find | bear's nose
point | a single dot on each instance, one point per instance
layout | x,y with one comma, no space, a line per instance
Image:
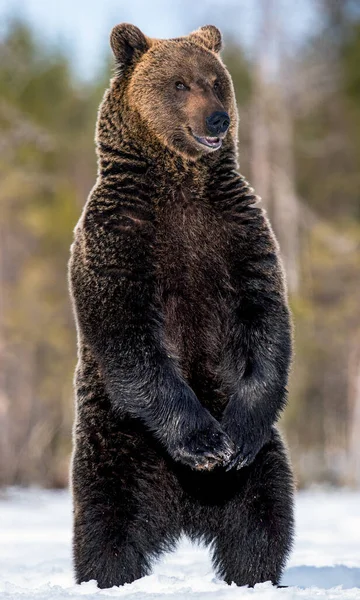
218,122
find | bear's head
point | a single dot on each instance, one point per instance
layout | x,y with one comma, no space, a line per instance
179,88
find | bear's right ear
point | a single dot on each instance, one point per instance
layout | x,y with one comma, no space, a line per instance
208,36
128,44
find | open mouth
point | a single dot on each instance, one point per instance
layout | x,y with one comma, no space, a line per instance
210,142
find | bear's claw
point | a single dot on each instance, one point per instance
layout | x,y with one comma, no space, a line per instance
204,450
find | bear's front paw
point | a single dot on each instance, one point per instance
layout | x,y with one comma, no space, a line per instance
247,444
204,448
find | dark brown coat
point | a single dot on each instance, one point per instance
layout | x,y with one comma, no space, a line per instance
183,326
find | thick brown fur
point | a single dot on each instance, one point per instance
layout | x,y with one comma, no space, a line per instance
183,327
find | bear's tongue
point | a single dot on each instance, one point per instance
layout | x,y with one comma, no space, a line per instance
211,142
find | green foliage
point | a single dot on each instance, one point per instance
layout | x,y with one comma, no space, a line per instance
47,167
323,399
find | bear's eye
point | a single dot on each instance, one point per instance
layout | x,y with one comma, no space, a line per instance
216,86
181,86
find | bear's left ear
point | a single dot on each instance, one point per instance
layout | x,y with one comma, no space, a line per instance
208,36
128,44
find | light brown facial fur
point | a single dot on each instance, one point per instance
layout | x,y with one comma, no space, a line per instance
175,86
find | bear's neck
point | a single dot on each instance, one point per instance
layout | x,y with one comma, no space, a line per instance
126,145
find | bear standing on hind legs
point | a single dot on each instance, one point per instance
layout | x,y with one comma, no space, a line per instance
183,328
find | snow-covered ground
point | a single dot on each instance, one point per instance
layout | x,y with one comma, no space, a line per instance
35,555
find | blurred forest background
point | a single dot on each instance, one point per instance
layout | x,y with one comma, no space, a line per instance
299,147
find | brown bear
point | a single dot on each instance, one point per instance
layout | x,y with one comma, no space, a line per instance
184,333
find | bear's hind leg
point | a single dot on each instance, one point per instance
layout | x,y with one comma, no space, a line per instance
124,517
105,549
254,530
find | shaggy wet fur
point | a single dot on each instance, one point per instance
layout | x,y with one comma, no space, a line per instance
184,332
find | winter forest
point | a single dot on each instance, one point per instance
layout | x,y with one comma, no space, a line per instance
299,106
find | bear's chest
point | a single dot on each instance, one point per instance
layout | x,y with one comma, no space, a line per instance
193,280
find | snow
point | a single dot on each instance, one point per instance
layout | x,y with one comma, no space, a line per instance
35,555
